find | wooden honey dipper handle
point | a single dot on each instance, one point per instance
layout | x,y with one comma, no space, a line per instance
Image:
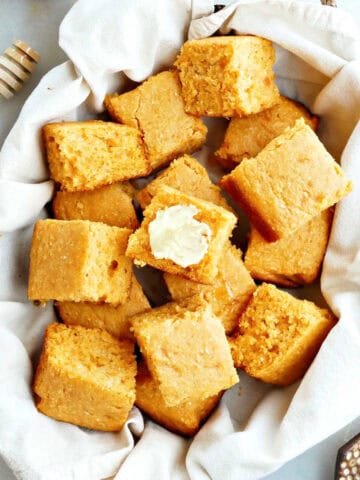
16,65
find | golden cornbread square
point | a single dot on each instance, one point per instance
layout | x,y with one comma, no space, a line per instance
156,107
218,220
110,204
227,76
79,260
184,418
230,293
114,320
85,377
185,349
293,260
90,154
288,183
245,137
187,175
279,335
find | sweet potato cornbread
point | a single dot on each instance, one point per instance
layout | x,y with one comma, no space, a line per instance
111,204
220,222
290,181
78,260
293,260
86,377
87,155
186,351
246,136
279,335
227,76
156,108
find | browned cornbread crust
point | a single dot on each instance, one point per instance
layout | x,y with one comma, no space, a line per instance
90,154
245,137
185,349
85,377
279,336
220,221
157,109
187,175
230,293
78,260
227,76
110,204
114,320
293,260
184,418
291,181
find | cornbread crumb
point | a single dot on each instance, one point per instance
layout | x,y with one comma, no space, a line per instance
230,293
78,260
184,418
227,76
291,181
279,336
157,109
220,221
114,320
185,349
245,137
293,260
90,154
110,204
188,176
85,377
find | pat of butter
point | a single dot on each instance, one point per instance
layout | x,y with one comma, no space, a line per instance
176,235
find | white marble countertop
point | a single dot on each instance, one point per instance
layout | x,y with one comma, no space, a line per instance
37,22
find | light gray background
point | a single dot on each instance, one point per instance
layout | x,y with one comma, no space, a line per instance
37,22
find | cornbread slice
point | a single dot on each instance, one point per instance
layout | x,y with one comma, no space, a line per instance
220,221
184,418
227,76
186,351
86,155
245,137
78,261
293,260
86,377
114,320
187,175
291,181
279,336
110,204
230,293
157,109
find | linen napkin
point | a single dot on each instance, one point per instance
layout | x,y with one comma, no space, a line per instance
251,434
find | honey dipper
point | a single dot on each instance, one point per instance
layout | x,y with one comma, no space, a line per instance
16,65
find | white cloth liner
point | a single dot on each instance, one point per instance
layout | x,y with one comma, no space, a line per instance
250,435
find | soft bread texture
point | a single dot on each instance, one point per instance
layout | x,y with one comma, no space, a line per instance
227,76
245,137
90,154
78,260
220,221
184,418
156,108
185,349
230,293
291,181
111,204
187,175
114,320
279,336
85,377
293,260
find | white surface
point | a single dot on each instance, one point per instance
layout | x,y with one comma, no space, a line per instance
317,463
